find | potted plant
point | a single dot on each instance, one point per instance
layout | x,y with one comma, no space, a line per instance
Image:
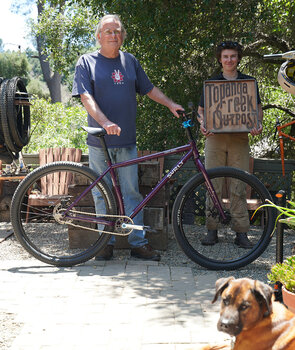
285,272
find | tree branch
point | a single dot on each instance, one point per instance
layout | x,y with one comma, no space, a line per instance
287,110
266,40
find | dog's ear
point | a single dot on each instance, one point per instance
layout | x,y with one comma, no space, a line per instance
263,294
220,286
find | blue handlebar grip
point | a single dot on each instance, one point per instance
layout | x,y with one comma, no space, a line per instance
187,123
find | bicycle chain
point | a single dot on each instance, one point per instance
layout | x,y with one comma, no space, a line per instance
121,219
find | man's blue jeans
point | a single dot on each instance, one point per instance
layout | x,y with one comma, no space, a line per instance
128,180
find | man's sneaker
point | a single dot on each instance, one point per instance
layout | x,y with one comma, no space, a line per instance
145,252
243,241
106,253
211,238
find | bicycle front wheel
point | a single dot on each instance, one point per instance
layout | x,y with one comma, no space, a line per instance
240,194
37,211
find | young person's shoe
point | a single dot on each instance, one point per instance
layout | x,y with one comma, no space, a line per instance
145,252
211,238
106,253
243,241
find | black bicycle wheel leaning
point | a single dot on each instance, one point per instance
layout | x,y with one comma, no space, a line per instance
9,141
192,208
18,115
2,108
36,214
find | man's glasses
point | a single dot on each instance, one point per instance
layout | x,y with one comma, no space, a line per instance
112,32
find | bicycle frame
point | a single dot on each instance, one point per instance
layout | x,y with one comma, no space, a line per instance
281,136
191,152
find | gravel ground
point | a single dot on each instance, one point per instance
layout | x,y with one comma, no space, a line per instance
10,249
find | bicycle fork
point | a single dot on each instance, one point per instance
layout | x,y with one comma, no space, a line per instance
224,218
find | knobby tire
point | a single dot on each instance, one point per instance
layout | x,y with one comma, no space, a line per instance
189,216
37,228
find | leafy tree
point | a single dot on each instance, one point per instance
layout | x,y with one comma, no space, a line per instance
1,46
175,42
33,58
38,88
67,32
14,64
52,78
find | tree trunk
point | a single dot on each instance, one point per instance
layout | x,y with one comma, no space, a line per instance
52,79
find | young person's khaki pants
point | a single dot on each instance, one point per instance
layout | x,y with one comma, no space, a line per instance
228,150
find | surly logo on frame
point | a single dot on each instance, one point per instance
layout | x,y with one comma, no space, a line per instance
117,77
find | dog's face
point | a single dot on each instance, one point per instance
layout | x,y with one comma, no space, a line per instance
244,302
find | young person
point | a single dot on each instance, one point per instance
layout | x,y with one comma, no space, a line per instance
229,149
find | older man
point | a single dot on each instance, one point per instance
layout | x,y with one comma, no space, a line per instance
107,81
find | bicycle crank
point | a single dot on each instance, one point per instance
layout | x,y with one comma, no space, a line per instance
137,227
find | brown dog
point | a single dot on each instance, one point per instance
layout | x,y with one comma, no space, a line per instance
249,313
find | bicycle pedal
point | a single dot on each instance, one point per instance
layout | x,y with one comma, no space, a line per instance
132,226
137,227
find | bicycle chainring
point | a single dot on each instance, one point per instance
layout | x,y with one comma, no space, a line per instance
118,226
58,214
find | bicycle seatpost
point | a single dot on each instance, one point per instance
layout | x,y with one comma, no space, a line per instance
105,149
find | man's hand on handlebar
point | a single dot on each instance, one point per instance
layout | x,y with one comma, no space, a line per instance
174,108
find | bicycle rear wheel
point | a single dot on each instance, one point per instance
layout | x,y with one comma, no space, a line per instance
36,214
190,213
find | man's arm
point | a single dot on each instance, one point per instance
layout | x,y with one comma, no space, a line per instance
93,109
157,95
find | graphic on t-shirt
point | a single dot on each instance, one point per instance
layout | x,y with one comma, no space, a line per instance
117,77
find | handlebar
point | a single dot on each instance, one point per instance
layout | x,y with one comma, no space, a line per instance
188,117
290,55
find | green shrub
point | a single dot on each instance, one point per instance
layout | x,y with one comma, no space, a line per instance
284,273
55,125
38,88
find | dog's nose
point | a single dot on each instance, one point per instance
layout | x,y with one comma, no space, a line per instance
228,326
225,324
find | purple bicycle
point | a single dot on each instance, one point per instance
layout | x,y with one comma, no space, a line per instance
44,231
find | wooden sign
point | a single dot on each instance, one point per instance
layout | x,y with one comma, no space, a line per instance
230,105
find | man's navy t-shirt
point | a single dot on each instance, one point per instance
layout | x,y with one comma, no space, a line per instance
113,82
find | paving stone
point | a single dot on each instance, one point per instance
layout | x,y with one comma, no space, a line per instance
109,305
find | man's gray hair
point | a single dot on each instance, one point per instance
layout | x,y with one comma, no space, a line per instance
116,18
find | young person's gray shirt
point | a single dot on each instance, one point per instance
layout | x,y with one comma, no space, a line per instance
113,82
